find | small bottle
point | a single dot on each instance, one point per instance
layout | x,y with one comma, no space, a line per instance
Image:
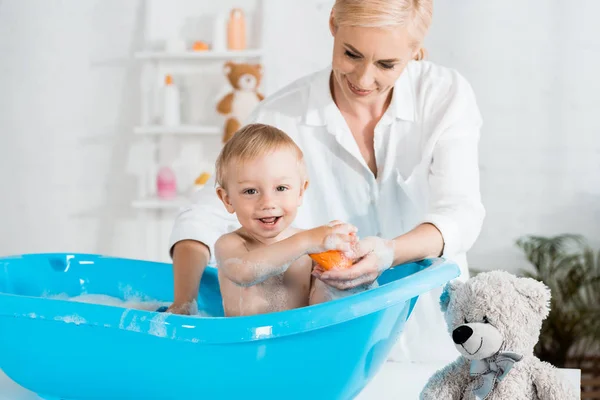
172,104
166,185
200,181
236,30
219,39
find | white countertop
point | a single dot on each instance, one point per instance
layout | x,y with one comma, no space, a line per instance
394,381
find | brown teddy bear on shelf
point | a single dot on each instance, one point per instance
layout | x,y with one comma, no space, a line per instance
237,105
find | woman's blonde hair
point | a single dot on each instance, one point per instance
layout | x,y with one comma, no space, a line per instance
250,142
415,15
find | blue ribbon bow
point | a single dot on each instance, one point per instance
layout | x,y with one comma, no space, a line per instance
490,370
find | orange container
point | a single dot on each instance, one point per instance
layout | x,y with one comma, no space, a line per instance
236,30
199,45
332,259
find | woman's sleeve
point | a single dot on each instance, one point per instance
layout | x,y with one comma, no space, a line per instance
455,206
204,220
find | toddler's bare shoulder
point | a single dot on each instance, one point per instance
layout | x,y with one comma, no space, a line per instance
232,241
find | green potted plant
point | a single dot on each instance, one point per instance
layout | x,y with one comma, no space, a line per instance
571,269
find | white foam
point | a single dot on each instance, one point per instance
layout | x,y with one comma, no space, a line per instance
134,303
192,307
341,237
158,326
133,326
257,270
262,332
71,319
122,321
335,242
382,249
131,295
129,304
333,293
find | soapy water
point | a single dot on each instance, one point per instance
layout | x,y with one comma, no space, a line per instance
373,246
71,319
332,293
158,326
338,239
336,242
134,303
384,251
131,303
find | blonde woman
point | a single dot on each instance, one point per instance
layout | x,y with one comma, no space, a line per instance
391,145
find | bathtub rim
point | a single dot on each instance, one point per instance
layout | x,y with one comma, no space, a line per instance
226,330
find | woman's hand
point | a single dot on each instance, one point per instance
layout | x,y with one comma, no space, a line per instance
374,255
336,235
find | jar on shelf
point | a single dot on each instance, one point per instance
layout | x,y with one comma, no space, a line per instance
236,30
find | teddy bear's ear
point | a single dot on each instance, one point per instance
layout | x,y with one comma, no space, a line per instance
537,294
448,291
228,67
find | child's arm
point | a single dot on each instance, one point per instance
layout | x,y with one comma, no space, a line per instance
319,292
248,268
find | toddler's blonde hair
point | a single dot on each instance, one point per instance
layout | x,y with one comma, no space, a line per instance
415,15
250,142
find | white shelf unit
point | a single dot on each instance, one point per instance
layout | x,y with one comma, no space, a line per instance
156,203
201,127
187,130
199,55
182,61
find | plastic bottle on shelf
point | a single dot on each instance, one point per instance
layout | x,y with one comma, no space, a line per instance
219,38
171,103
236,30
166,183
166,178
200,181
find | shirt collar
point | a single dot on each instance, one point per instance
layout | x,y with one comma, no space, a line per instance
321,107
403,99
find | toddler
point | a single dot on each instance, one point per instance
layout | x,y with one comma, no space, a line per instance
264,266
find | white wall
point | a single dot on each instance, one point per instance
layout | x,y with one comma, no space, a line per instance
534,67
69,101
67,104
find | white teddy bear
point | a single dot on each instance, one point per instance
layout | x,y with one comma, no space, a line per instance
495,320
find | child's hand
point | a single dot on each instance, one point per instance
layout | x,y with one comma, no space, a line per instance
336,235
181,309
374,255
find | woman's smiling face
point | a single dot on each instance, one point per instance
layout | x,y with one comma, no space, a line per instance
368,61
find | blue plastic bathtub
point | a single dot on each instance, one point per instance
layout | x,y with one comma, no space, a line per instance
62,349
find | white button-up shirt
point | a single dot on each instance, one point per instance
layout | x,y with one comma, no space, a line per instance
426,148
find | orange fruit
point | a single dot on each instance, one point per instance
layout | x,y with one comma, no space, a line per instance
332,259
200,46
